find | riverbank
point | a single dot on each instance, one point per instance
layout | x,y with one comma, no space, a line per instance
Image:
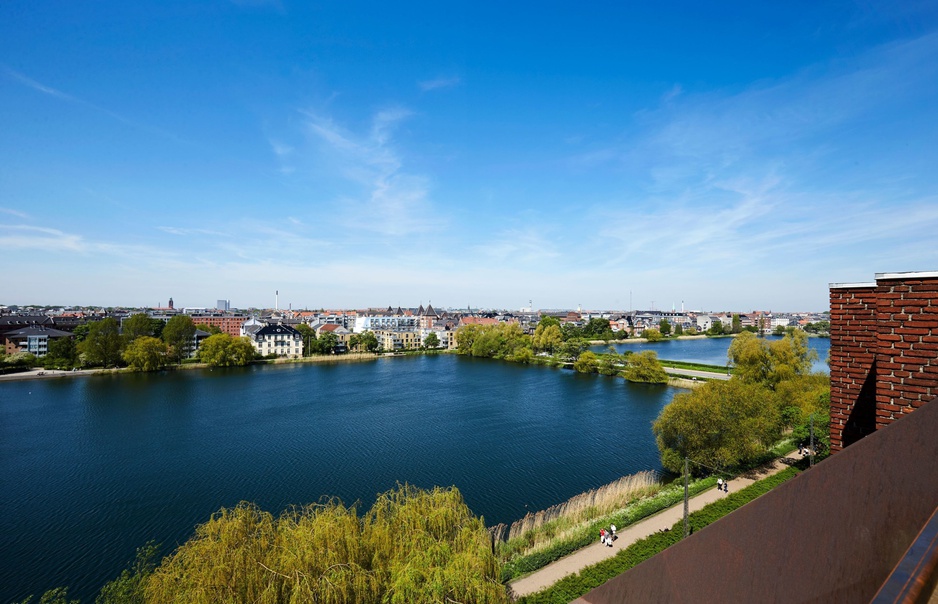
42,374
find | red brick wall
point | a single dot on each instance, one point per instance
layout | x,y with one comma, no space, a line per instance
907,346
884,352
853,355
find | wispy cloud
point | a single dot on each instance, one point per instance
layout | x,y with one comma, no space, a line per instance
54,92
394,202
22,237
439,83
16,213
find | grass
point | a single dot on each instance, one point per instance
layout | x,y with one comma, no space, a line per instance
534,548
694,366
574,586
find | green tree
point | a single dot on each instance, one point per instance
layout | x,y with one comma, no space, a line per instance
62,353
690,331
59,595
138,325
369,341
572,349
596,328
146,353
466,337
645,367
210,329
310,343
716,328
327,342
432,340
737,325
547,337
178,334
769,363
720,425
678,329
222,350
652,335
570,331
664,326
102,346
587,362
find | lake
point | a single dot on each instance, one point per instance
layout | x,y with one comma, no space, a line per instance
92,468
710,351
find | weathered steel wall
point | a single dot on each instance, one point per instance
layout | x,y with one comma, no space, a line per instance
832,534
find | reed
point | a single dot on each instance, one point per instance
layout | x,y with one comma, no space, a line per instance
539,529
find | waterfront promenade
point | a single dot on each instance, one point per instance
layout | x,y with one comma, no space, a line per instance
597,552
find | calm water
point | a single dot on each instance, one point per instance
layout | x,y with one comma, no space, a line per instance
91,468
711,351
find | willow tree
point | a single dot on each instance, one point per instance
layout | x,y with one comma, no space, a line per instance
412,546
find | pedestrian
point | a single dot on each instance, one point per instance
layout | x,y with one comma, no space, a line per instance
726,486
719,484
602,536
613,529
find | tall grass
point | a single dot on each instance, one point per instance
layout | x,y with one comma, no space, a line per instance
589,505
540,529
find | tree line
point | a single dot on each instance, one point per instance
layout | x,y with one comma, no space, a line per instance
550,343
726,424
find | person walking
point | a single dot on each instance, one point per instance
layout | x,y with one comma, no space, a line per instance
602,536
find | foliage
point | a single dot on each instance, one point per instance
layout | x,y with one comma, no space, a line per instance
500,341
59,595
609,364
128,588
327,342
716,328
222,350
652,335
102,345
690,331
517,563
146,353
573,586
587,362
678,329
737,325
645,367
369,341
719,425
309,339
210,329
770,362
178,333
20,359
819,327
412,546
572,349
548,337
432,340
597,329
61,354
664,326
138,325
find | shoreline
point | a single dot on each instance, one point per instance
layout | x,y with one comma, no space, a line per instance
45,374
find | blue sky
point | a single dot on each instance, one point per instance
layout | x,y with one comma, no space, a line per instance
731,155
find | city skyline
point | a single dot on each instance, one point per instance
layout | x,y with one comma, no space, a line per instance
730,157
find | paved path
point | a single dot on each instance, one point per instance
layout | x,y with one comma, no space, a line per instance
598,552
696,373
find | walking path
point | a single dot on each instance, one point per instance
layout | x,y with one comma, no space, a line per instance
597,552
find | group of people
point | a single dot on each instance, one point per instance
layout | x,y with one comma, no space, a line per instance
723,485
607,537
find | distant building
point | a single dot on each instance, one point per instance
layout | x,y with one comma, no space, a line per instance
223,305
277,339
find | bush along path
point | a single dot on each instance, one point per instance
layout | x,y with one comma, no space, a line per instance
597,563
